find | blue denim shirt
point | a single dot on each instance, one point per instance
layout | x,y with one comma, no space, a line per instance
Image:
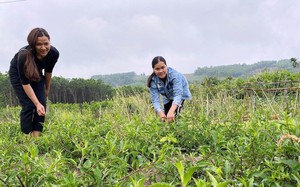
175,88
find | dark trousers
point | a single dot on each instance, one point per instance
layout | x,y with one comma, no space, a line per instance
30,120
169,105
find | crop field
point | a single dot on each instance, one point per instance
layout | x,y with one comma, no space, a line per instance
218,140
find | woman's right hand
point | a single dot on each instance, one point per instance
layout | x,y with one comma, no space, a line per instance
40,109
162,116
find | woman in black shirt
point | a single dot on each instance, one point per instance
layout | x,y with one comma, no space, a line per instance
30,75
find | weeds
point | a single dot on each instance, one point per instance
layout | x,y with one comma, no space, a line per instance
217,140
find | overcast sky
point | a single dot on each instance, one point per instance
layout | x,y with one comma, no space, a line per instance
118,36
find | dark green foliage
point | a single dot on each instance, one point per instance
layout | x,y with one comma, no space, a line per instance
294,62
123,79
7,96
101,87
244,70
132,90
62,91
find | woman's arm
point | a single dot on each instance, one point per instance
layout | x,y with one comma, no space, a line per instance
40,109
177,95
47,83
171,113
156,102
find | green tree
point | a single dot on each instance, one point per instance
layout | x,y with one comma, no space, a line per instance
294,62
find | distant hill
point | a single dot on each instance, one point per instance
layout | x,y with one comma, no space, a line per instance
235,70
123,79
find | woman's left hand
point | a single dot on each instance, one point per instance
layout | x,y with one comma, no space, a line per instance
170,117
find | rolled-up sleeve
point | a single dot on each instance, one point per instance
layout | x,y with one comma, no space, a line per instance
177,89
155,97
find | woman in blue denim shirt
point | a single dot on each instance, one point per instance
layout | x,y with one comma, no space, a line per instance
171,85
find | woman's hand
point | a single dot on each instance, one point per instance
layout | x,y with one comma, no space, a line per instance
40,109
170,116
162,116
171,113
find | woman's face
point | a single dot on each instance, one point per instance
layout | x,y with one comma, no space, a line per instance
42,46
160,70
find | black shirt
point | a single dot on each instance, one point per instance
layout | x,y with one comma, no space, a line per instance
16,70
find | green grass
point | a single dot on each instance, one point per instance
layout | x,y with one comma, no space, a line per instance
216,141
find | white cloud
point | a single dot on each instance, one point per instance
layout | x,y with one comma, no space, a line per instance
116,36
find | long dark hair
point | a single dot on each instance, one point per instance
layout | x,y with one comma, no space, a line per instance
154,62
30,69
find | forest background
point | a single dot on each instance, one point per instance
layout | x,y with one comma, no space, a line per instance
102,87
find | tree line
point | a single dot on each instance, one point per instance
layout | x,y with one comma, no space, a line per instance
62,90
201,73
99,88
246,70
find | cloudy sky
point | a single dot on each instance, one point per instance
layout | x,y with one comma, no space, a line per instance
118,36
